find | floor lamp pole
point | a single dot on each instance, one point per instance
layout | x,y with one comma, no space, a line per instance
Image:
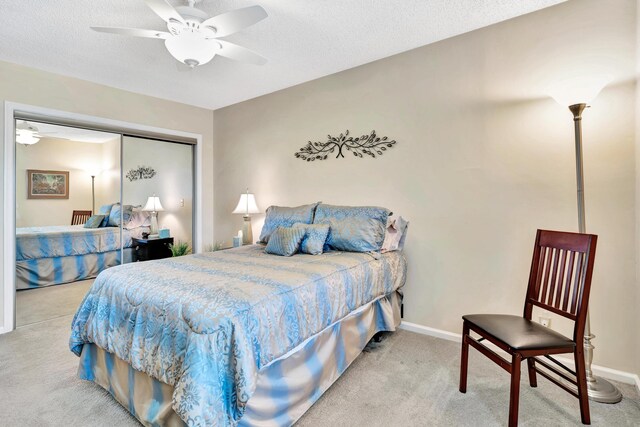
93,195
599,390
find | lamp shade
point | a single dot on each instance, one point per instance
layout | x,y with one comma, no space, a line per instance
578,89
246,205
153,205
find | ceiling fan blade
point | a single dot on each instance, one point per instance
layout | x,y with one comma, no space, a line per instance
164,10
236,20
239,53
135,32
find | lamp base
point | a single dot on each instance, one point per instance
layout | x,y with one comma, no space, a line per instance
154,223
601,390
247,234
598,389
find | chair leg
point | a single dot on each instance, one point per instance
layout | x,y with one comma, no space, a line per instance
533,380
514,399
464,358
581,377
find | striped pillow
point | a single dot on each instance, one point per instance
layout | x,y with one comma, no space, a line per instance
285,241
94,221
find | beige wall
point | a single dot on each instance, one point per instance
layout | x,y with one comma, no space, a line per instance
484,158
60,155
34,87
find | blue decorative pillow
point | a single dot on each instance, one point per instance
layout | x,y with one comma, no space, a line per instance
114,215
285,241
94,221
279,216
105,210
314,238
353,228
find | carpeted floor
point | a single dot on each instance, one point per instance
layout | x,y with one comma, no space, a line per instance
407,380
38,305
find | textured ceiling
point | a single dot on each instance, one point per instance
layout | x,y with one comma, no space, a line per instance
303,40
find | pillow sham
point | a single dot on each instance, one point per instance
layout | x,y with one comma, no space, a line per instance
105,210
94,221
139,218
395,235
315,236
285,241
353,228
114,215
281,216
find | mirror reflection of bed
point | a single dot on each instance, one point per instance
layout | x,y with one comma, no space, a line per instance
70,224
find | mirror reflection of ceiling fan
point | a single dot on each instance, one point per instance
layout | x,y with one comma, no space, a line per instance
28,134
193,37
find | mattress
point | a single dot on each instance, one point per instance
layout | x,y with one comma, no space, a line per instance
207,324
69,240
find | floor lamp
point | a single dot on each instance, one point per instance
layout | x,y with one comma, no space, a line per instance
599,389
93,173
93,194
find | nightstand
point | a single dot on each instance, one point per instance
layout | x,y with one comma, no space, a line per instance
148,249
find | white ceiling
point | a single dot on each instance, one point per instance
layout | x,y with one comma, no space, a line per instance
303,40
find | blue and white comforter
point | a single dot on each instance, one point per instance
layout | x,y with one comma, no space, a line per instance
206,324
69,240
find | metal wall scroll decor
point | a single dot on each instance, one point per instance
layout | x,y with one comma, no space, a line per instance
141,172
370,145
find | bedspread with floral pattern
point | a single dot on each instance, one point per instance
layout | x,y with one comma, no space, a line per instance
206,324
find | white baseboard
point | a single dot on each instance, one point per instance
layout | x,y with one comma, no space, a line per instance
4,330
601,371
425,330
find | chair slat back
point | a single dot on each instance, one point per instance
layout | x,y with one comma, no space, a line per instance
561,270
80,217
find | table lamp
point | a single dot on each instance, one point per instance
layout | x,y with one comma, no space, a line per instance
247,205
154,206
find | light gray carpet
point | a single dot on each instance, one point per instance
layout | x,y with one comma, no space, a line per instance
37,305
408,380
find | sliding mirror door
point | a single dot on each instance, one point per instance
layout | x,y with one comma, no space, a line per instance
63,175
157,194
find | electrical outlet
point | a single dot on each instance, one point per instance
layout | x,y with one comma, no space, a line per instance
544,321
182,203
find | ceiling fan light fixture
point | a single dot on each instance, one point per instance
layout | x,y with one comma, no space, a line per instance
190,48
26,137
26,133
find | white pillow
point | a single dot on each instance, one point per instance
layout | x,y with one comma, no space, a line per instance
395,235
139,218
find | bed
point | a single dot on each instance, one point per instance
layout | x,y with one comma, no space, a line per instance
54,255
233,337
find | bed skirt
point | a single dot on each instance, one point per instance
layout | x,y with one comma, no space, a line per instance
286,388
40,272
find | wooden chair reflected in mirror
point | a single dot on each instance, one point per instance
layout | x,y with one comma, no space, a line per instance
559,282
80,217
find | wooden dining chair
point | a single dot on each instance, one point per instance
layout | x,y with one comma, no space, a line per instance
559,282
80,217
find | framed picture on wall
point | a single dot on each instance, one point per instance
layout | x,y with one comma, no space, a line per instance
47,184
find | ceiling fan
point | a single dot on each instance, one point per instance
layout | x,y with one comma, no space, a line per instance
193,36
29,134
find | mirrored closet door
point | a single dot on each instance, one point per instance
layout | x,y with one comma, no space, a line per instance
90,200
63,177
157,193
